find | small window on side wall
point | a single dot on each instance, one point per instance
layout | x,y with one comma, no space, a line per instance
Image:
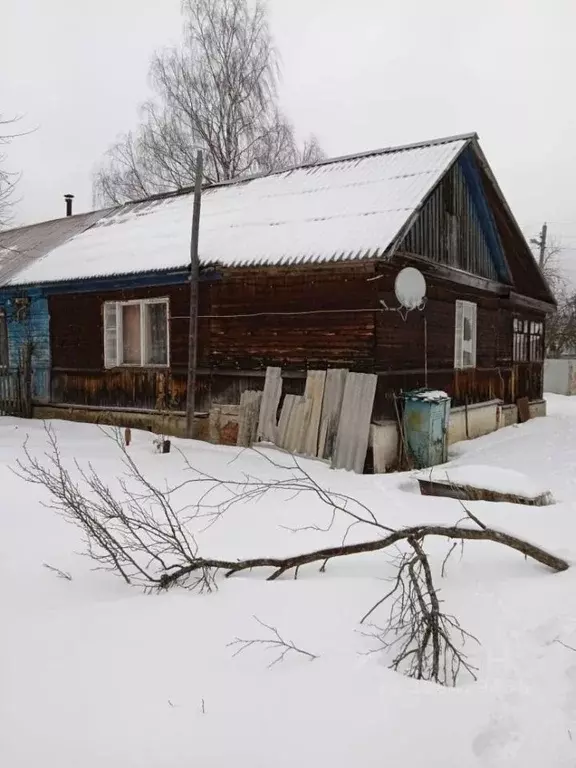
4,354
528,340
136,333
465,335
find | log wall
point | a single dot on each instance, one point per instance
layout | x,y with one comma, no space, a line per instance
299,318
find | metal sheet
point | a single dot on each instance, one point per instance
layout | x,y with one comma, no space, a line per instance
23,246
354,428
314,392
267,427
331,406
248,417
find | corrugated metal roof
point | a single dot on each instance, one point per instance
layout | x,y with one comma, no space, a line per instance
347,208
22,247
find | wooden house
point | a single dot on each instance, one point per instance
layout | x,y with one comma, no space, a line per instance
298,271
24,320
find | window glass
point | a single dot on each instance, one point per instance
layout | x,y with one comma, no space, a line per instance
131,341
157,334
528,340
136,333
465,334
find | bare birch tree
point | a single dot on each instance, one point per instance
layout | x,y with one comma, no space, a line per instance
7,179
218,91
561,325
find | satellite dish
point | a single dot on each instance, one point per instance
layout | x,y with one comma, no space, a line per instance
410,287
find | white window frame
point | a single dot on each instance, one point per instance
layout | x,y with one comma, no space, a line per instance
465,310
117,331
528,340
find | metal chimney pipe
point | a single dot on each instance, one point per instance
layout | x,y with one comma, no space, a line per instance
68,199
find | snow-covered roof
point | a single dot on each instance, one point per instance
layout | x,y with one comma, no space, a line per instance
347,208
23,246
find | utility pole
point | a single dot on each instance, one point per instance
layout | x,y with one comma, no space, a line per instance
540,242
194,280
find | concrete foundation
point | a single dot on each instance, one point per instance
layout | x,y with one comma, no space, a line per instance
159,423
464,424
468,422
220,425
384,442
537,408
223,424
508,416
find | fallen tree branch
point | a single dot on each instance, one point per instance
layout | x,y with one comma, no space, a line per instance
418,630
276,642
283,564
137,530
61,574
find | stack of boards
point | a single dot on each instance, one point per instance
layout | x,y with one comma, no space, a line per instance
331,420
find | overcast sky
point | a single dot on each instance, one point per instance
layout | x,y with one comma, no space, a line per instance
360,74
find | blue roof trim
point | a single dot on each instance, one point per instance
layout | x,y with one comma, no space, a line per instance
114,283
471,175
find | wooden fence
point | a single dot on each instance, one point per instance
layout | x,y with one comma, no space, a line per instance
16,388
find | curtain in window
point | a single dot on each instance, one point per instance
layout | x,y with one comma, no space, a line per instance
131,334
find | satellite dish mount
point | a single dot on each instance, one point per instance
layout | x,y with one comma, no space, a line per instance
410,291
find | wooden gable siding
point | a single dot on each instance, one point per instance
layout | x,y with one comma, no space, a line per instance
448,229
526,276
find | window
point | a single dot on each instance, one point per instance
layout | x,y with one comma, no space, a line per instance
136,332
536,341
528,340
465,335
4,360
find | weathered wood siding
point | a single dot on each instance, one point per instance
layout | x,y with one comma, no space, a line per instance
78,374
293,317
28,323
402,359
449,228
250,319
299,318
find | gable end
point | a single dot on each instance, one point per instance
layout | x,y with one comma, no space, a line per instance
456,227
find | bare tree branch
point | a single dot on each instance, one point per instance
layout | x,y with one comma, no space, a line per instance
8,179
561,325
138,532
58,572
282,565
418,631
218,91
275,642
146,539
561,642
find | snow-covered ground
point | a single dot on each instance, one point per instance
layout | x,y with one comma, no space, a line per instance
94,673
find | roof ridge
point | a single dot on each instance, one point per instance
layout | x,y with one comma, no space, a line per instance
111,210
388,150
314,164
